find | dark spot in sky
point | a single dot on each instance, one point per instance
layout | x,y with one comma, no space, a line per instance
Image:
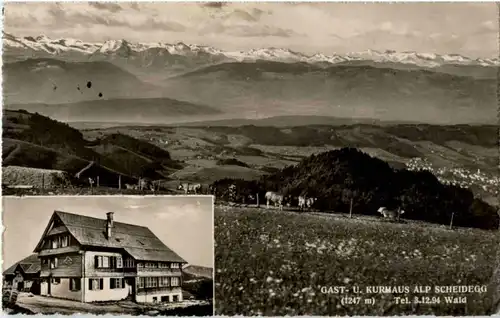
215,5
55,87
89,84
100,94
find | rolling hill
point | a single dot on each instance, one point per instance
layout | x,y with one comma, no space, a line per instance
199,271
267,88
131,110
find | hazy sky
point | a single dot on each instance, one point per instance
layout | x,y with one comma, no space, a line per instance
184,224
465,28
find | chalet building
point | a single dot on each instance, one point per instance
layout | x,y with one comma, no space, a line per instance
24,275
90,259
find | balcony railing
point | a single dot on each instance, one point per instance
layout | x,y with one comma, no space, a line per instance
163,270
145,290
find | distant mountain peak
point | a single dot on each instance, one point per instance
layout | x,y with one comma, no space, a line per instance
124,48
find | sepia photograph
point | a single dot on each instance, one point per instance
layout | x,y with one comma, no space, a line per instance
351,149
108,255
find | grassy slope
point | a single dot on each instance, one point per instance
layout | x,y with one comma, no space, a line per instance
37,141
274,263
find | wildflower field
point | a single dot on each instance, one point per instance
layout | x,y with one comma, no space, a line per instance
275,263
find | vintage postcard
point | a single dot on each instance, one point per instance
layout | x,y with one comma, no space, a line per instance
108,255
351,148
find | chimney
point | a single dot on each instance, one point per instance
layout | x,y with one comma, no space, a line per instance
109,224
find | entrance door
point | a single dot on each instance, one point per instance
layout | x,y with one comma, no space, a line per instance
20,286
130,282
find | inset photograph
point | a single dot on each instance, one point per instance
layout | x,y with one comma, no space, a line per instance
108,255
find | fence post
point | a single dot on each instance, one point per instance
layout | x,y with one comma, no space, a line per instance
43,181
258,204
97,185
451,222
119,182
350,209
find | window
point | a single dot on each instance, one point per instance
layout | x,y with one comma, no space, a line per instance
164,265
74,284
149,281
164,281
56,281
176,298
155,299
53,263
164,299
55,243
96,283
105,261
98,261
116,283
151,265
65,241
119,262
141,265
174,281
174,265
142,282
129,262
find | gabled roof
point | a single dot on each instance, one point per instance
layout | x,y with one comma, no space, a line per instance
136,240
29,265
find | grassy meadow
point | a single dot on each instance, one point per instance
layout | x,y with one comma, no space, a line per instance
274,263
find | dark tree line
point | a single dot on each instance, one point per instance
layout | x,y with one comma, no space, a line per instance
339,176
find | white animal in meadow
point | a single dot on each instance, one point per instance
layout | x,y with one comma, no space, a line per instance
189,188
310,202
276,198
389,213
306,203
302,203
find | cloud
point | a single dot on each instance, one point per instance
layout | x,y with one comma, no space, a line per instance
109,6
316,27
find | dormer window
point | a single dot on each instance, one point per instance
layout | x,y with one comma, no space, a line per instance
60,241
174,265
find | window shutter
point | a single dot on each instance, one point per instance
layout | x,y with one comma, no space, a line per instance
90,284
96,261
71,284
101,284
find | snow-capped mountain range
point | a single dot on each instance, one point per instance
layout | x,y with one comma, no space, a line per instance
45,46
